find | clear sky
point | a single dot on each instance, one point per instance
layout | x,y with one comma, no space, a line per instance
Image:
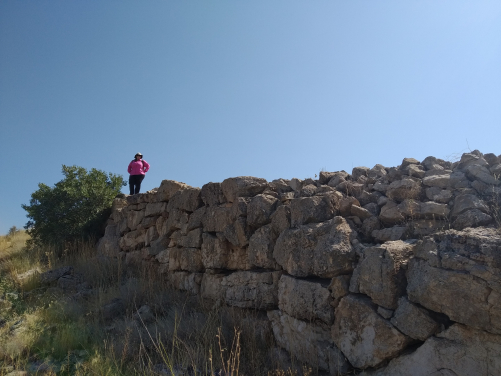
213,89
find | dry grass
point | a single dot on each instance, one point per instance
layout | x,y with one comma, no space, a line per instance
65,333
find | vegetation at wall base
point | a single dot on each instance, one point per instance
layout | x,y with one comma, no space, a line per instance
76,207
56,329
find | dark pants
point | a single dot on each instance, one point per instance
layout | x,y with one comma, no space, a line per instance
135,183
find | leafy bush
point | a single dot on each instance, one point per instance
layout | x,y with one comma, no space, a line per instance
75,208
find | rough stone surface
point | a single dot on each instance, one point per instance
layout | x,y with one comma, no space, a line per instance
406,188
307,342
456,352
305,300
314,209
471,218
363,336
322,249
212,194
380,273
220,254
242,186
458,273
168,188
261,246
260,209
247,289
413,320
185,259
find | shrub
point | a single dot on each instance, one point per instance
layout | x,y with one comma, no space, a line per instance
75,208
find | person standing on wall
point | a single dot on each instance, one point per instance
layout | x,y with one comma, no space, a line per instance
137,170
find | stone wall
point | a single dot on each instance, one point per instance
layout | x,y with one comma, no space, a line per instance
394,271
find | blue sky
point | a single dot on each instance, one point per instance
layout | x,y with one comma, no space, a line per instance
213,89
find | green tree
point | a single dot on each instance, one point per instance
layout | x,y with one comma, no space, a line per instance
75,208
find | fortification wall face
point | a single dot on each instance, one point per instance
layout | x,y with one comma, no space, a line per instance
353,270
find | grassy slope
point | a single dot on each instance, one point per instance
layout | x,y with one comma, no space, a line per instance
44,327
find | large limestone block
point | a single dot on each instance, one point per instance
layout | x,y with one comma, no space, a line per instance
176,220
192,240
305,300
345,205
390,233
242,186
134,218
217,253
405,188
212,287
464,202
471,218
391,214
314,209
185,281
237,233
413,321
187,199
159,245
458,351
481,173
155,209
458,273
319,249
380,273
168,188
441,180
216,218
309,343
363,336
256,290
281,219
132,240
260,209
212,194
261,246
151,236
185,259
195,219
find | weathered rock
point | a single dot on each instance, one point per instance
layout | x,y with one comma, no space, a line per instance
405,188
239,207
432,163
261,246
324,177
322,250
457,273
260,209
464,202
363,336
132,240
491,159
370,225
413,320
381,272
439,195
360,212
471,218
305,300
185,259
212,287
187,199
212,194
345,205
308,190
281,219
314,209
186,281
220,254
439,181
163,256
154,209
195,219
176,220
192,240
216,218
134,218
481,173
150,236
385,313
468,159
307,342
257,290
168,188
359,171
242,186
457,351
237,232
415,171
391,214
390,234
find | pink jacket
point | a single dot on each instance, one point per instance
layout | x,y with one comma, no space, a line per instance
138,167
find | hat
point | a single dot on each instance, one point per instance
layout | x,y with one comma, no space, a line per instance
138,154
